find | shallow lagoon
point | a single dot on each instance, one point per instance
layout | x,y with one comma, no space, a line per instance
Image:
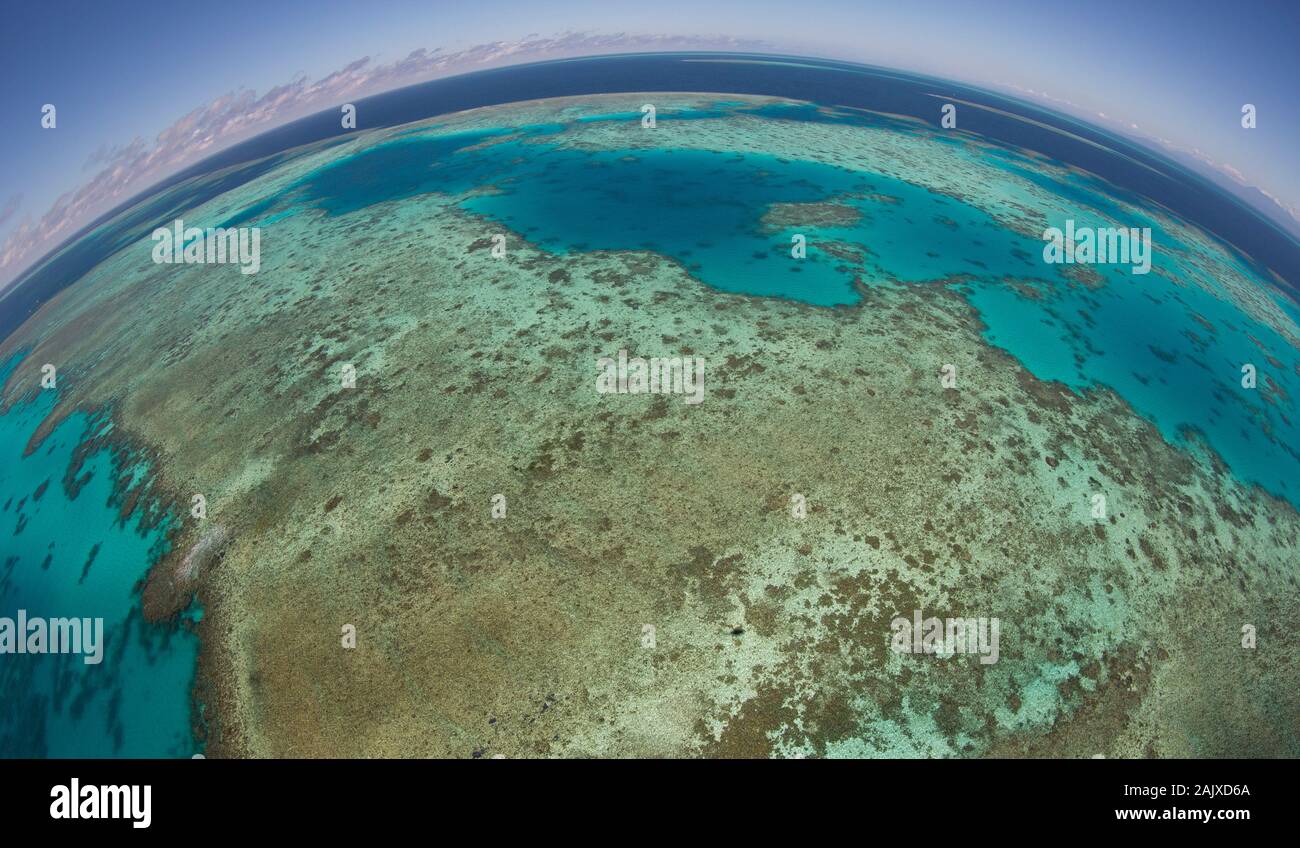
72,557
706,210
1136,335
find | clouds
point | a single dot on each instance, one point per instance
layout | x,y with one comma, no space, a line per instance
1187,155
10,208
122,170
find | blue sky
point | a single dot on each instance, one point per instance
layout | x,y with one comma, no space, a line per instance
128,70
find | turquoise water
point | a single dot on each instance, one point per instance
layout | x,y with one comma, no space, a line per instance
701,208
1136,335
71,556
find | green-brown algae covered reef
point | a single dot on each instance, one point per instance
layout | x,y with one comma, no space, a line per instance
649,590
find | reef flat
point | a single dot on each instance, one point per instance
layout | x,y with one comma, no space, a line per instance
649,589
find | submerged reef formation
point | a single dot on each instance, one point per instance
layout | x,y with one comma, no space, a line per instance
467,550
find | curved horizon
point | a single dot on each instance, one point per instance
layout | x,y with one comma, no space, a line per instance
960,46
323,124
